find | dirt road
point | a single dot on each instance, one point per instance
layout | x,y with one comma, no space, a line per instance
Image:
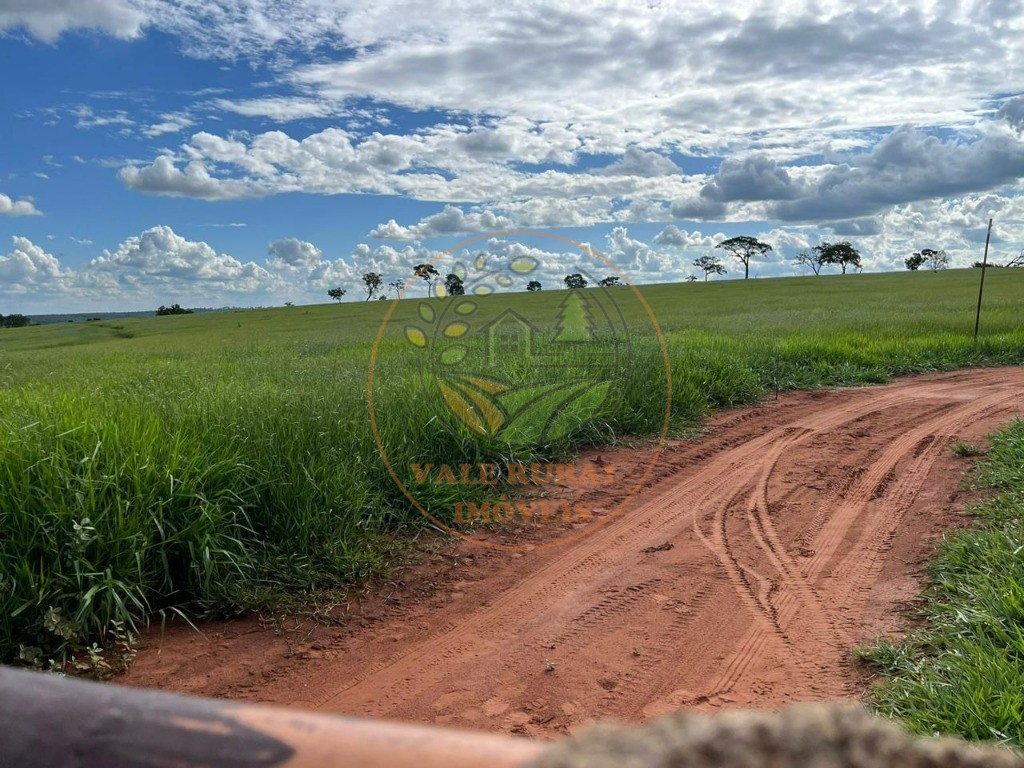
746,572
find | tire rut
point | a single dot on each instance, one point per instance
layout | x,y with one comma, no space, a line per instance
743,575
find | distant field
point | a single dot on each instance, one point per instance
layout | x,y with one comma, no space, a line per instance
81,317
214,461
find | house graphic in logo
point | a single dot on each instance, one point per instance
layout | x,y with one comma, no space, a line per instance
510,336
570,343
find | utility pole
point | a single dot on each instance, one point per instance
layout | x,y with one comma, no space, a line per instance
981,288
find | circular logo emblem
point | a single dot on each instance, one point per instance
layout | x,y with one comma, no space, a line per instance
510,372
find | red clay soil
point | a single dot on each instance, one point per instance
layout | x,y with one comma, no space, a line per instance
744,573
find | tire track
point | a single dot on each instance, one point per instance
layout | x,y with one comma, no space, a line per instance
571,570
780,525
864,557
576,568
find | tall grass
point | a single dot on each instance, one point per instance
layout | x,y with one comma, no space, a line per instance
210,463
963,672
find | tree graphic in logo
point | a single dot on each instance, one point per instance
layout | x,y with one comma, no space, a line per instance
519,376
574,320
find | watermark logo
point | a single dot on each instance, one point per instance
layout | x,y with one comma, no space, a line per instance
521,375
510,371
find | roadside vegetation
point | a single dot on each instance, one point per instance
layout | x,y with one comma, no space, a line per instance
962,672
211,463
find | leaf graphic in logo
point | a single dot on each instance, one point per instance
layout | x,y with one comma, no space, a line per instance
454,355
426,312
490,386
456,329
534,409
415,336
524,265
472,408
491,410
578,410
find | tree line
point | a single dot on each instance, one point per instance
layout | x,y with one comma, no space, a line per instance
375,287
841,254
15,320
744,249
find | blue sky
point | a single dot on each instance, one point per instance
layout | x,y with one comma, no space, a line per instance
247,152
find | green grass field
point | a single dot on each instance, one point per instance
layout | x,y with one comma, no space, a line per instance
214,462
963,672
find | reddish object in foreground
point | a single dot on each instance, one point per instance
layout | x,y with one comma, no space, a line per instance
51,722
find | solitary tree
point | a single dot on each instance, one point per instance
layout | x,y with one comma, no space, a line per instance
841,254
428,274
453,285
709,265
745,248
397,285
809,258
336,293
691,278
533,286
609,282
373,282
935,260
575,281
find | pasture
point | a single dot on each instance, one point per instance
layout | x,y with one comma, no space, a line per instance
212,463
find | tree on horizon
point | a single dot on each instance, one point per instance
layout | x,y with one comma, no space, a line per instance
810,258
373,281
842,254
709,265
174,309
575,281
745,248
454,285
428,274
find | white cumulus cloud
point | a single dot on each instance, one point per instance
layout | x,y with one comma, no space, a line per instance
675,237
450,221
9,207
293,254
160,256
29,268
164,178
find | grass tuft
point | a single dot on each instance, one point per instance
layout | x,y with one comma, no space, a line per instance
966,449
962,673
